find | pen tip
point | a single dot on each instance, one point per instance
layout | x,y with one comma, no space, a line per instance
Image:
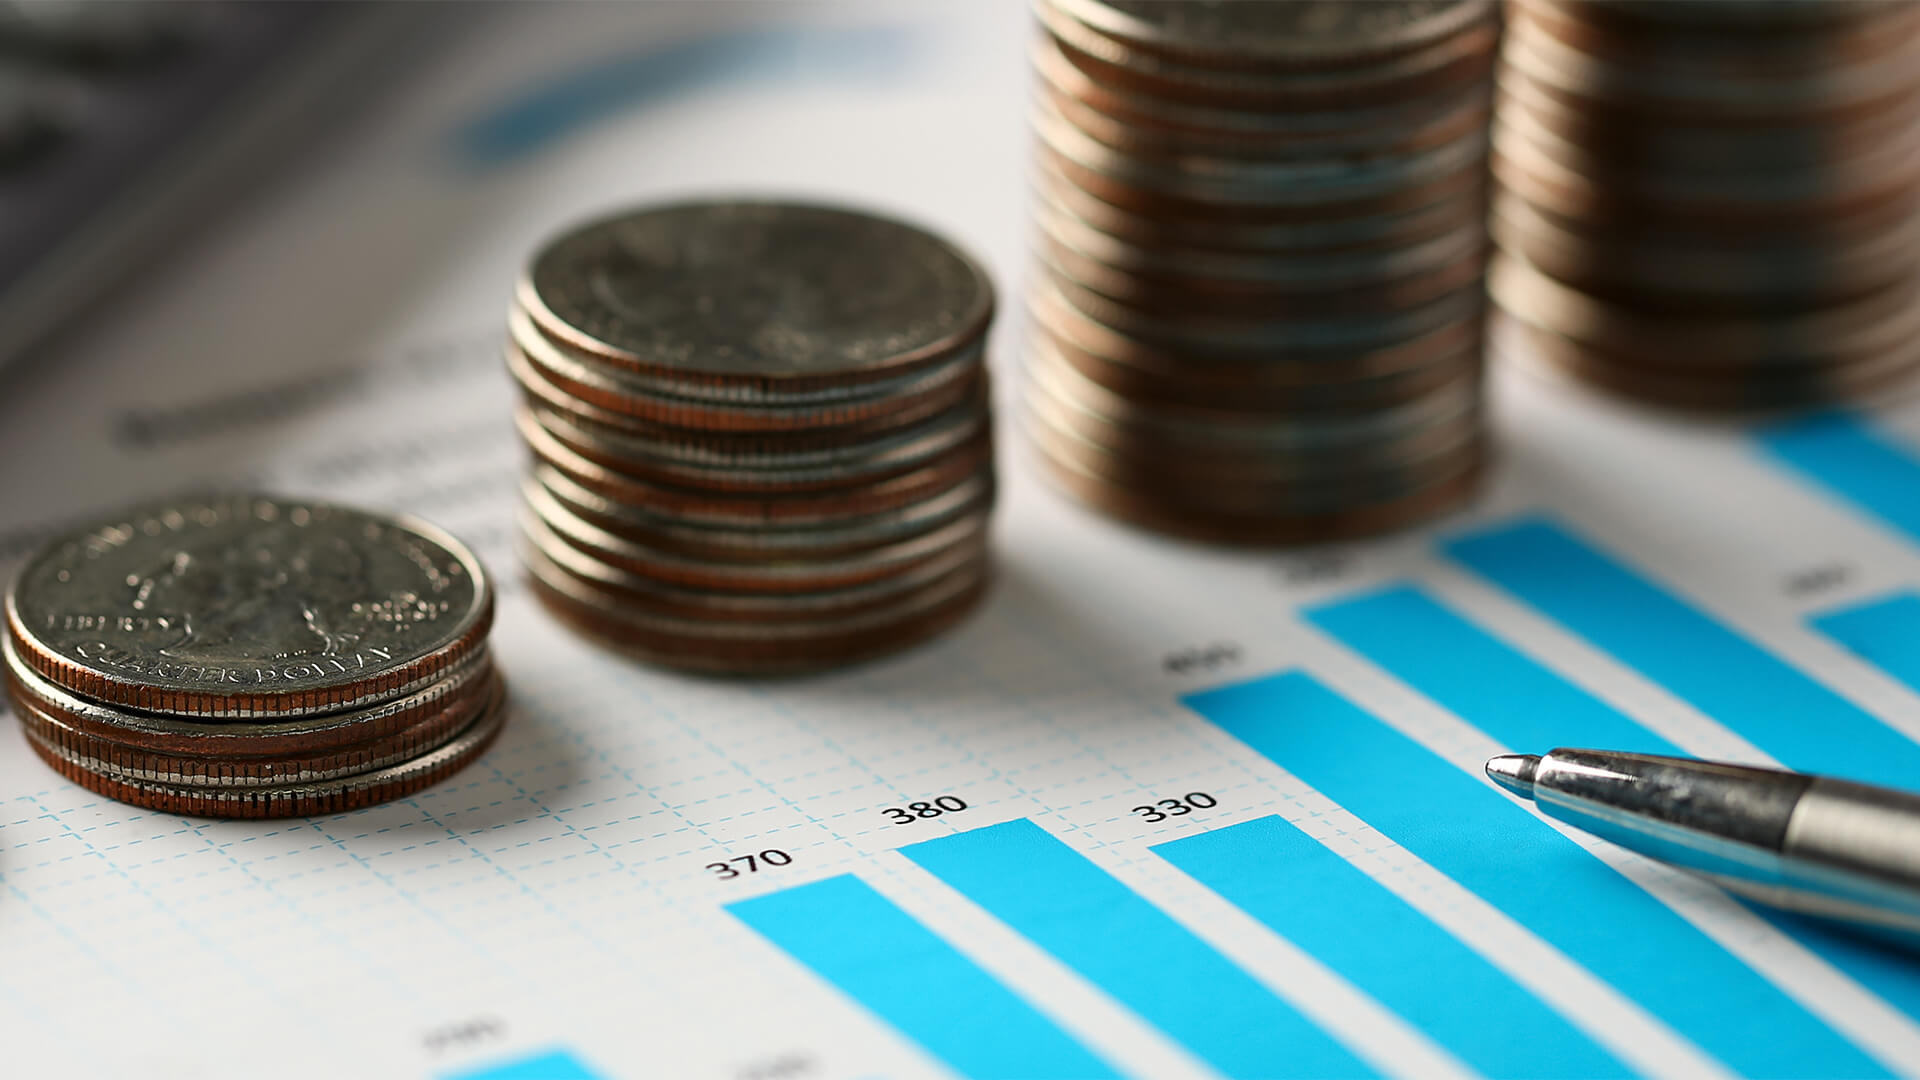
1514,772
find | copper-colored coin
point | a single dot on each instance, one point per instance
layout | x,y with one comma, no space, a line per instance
1232,182
1154,127
1700,271
539,543
292,800
1258,306
1401,283
1383,77
1710,82
1208,387
772,575
753,508
1198,523
681,644
1277,37
773,540
1177,234
1277,369
1251,491
1790,390
1856,328
853,463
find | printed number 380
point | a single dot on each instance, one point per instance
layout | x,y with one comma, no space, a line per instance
914,811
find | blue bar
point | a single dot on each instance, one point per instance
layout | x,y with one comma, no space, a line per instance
1783,712
1097,926
1883,632
1854,462
551,1065
1476,676
1473,834
1528,707
886,960
1386,947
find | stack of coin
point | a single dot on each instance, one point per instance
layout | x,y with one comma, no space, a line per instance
248,656
1712,205
1259,302
760,433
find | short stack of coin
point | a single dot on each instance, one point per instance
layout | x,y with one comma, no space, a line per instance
1259,303
760,433
248,656
1712,205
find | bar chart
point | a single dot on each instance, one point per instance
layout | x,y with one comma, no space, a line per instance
1301,890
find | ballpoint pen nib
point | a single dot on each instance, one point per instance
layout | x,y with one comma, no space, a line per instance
1514,772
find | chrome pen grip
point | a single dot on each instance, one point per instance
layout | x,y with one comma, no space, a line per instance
1862,831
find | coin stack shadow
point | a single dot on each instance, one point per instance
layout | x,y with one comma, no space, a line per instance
760,434
1712,206
1259,299
250,657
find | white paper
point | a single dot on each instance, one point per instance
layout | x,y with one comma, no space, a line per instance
337,336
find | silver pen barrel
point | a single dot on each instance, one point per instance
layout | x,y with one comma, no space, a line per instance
1810,844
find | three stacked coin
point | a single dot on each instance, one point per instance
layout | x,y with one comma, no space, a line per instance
1259,303
248,656
1713,205
760,433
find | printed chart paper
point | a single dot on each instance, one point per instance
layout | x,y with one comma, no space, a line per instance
1159,810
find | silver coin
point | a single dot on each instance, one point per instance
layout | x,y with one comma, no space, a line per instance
690,632
197,771
771,539
1278,31
852,461
292,799
1452,58
1055,194
536,539
1231,182
1217,335
522,331
227,738
248,606
1317,272
772,574
632,395
754,290
1135,121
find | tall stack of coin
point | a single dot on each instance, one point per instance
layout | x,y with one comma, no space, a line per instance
1712,205
248,656
760,433
1259,302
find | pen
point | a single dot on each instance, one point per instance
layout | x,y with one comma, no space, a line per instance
1810,844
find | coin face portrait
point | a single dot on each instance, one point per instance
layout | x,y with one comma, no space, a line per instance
244,596
274,593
